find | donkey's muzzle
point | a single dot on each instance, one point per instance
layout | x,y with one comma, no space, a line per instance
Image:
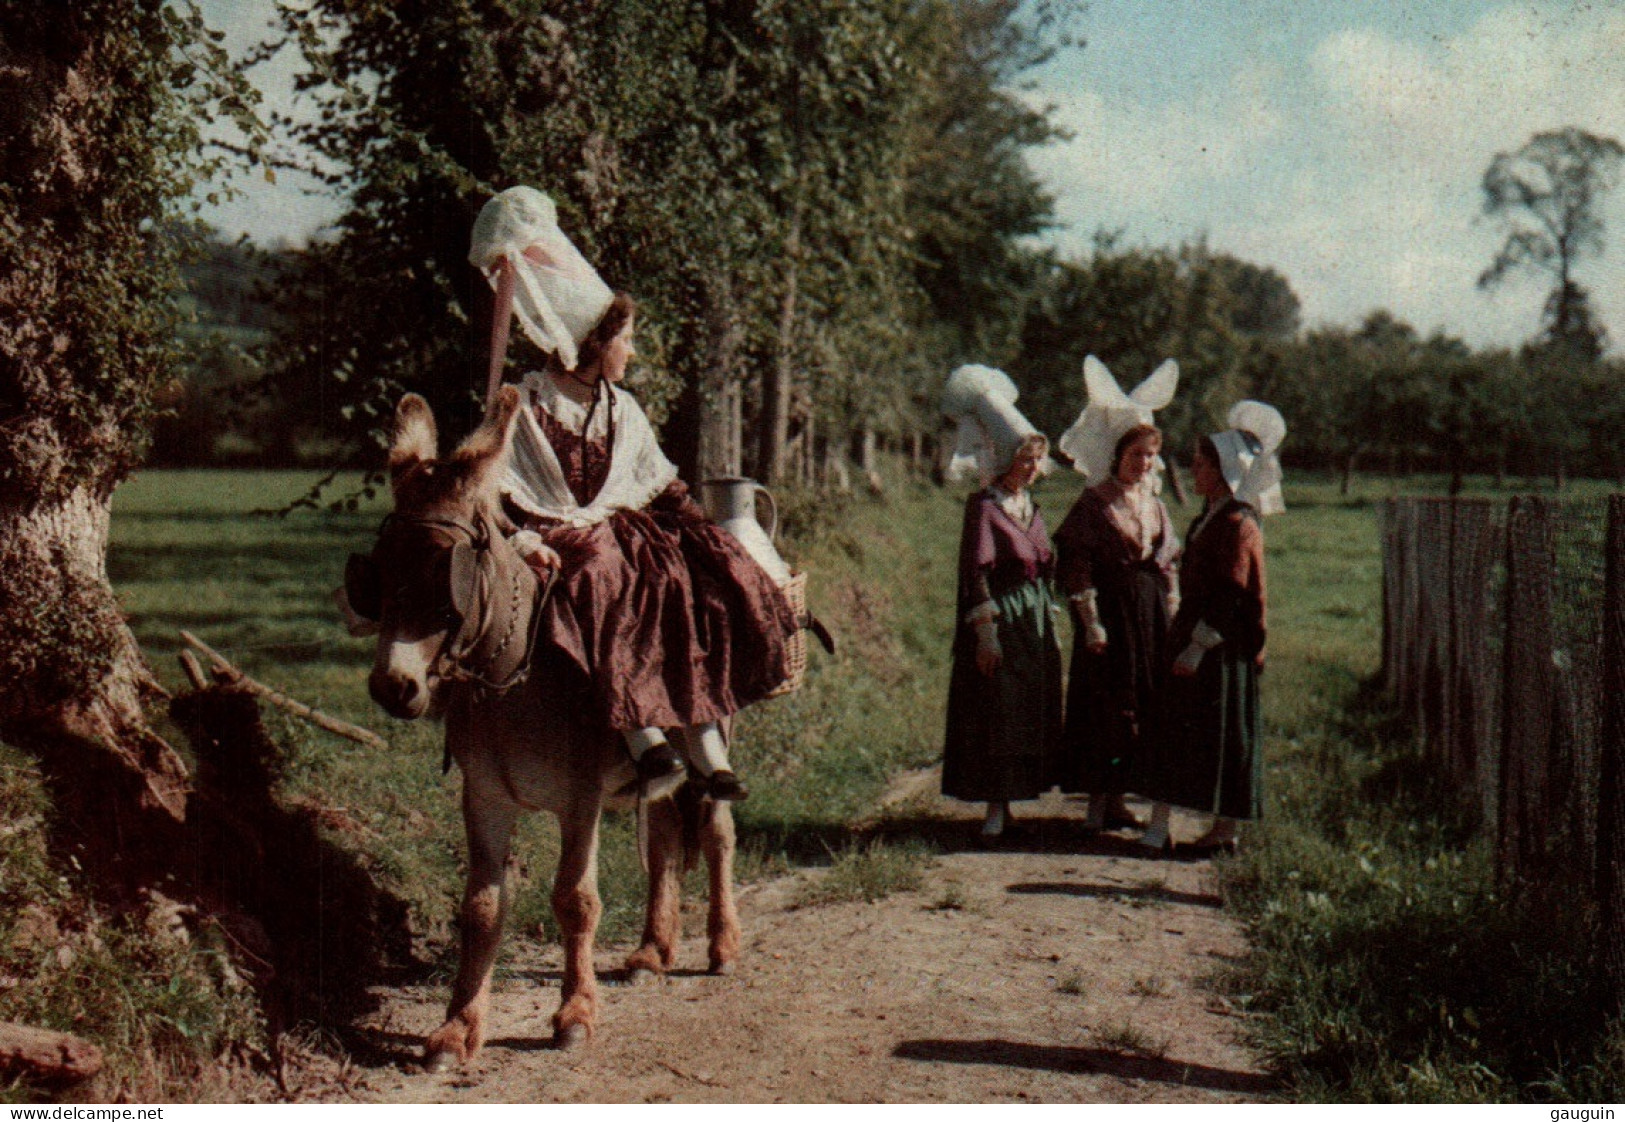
400,695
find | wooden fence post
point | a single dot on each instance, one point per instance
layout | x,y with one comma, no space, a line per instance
1611,758
1526,692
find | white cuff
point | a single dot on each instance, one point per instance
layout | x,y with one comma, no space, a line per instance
1087,605
984,612
526,542
1205,637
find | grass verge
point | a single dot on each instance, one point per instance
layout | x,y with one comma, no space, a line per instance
1386,968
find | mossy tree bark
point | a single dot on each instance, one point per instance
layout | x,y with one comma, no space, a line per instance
99,109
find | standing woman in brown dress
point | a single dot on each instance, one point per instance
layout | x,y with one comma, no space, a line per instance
1004,692
667,618
1208,755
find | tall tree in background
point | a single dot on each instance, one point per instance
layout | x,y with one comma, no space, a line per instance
100,104
1548,194
1135,307
972,197
746,169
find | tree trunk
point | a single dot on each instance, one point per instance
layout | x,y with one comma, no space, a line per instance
778,380
1176,483
835,473
721,426
1348,471
808,475
703,433
85,681
866,454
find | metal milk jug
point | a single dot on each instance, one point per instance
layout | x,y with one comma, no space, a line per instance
731,503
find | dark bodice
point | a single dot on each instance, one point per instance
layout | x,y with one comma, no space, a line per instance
585,462
997,553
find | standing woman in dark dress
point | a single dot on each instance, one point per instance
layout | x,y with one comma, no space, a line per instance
1208,755
1117,549
1004,694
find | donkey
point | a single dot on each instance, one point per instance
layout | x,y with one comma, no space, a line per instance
457,612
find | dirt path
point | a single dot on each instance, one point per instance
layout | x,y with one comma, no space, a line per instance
1061,968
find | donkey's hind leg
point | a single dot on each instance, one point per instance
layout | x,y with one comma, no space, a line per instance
490,827
577,907
722,925
662,924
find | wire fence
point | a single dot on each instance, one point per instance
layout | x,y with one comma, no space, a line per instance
1504,643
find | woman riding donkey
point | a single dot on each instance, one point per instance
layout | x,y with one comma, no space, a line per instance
672,624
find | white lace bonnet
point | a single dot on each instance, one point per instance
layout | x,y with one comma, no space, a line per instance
1109,413
991,428
557,303
1247,457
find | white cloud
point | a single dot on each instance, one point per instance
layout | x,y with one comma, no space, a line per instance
1158,157
1355,169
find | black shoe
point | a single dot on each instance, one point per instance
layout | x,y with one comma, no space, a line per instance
659,761
1123,820
724,786
1202,847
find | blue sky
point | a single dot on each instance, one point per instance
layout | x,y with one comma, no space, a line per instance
1340,142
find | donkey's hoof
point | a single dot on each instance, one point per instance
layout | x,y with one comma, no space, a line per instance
722,969
570,1037
438,1063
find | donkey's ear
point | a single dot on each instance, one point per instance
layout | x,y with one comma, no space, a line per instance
488,444
415,439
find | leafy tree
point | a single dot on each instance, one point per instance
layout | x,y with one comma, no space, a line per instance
972,198
1227,321
745,168
100,104
1547,193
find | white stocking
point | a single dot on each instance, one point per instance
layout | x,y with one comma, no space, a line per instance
639,741
1156,834
707,750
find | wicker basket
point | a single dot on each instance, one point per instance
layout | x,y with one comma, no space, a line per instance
796,645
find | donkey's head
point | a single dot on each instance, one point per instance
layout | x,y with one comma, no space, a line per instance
417,580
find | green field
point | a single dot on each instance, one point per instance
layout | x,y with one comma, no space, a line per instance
1368,905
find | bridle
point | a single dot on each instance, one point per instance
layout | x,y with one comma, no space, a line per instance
495,600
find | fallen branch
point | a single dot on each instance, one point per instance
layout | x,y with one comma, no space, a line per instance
229,674
46,1056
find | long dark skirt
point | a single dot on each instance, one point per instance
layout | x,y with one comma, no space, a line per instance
1112,697
1207,754
1003,741
669,619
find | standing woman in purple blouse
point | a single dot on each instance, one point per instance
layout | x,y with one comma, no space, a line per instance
1004,694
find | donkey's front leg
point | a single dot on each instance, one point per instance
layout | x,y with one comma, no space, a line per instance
662,922
577,907
490,825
